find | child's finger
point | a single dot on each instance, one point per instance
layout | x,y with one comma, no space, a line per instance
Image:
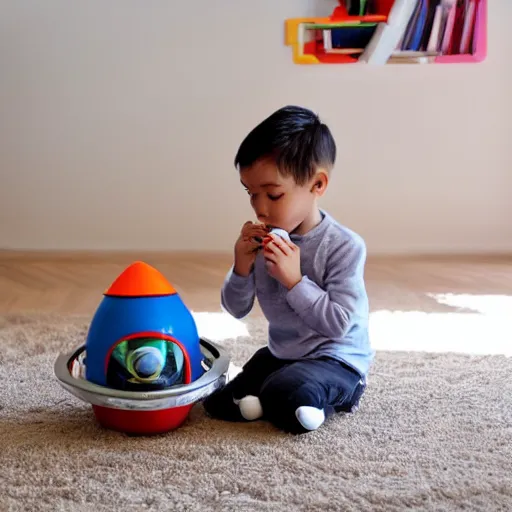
258,229
247,226
291,245
251,243
281,243
278,248
270,256
269,248
278,243
252,231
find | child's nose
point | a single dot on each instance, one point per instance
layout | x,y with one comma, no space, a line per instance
261,211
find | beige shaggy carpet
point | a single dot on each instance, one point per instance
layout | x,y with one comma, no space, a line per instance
434,432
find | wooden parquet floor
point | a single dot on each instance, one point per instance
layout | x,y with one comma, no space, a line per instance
73,282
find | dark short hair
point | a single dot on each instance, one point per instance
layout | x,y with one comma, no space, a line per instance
295,138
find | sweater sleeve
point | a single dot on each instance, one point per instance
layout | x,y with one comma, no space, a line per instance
238,293
330,310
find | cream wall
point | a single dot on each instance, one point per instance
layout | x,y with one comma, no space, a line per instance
119,122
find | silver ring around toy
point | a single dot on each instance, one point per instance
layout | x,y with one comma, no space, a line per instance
176,396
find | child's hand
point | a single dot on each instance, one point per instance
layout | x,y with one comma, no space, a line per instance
283,261
247,246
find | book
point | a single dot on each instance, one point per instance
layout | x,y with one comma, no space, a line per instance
357,36
433,42
450,7
431,11
468,27
414,42
458,27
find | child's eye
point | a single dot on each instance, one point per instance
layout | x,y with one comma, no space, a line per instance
275,198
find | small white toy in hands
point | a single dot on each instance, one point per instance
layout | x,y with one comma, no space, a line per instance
281,232
276,231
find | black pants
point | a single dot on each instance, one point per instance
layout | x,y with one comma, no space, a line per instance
282,386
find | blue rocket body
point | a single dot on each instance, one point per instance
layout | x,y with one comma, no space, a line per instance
137,317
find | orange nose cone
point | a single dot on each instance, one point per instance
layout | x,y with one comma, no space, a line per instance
140,280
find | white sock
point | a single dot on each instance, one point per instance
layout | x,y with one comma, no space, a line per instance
250,407
310,418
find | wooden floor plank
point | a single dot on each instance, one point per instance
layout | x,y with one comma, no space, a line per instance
74,282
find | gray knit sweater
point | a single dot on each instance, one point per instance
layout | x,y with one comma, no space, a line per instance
326,313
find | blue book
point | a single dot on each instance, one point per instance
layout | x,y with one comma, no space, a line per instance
357,36
420,27
414,33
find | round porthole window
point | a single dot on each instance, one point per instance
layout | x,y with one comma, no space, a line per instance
145,364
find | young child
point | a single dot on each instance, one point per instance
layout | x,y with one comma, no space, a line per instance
311,289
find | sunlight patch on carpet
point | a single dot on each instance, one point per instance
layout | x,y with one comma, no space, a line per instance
219,326
483,327
489,305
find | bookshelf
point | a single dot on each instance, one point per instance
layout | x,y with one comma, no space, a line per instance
392,32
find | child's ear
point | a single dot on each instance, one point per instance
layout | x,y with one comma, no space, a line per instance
319,183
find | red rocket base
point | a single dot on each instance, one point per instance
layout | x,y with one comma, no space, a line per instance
142,422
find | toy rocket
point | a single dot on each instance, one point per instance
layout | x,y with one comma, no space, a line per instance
142,366
142,336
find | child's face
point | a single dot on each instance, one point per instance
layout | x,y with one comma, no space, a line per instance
276,199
